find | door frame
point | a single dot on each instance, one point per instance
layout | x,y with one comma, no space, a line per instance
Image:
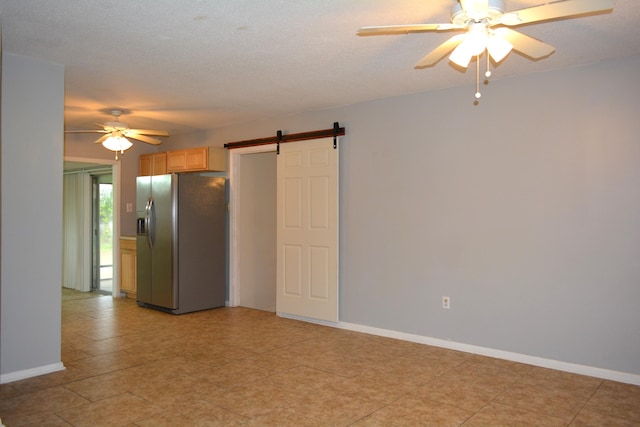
115,171
235,165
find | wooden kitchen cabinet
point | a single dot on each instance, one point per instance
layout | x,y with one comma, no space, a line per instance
199,159
144,168
153,164
128,267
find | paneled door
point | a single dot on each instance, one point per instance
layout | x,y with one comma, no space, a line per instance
307,231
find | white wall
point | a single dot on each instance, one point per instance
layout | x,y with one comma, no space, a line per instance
525,210
30,282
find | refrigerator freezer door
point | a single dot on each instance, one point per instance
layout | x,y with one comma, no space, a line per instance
143,251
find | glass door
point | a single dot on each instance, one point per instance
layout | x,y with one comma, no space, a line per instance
102,226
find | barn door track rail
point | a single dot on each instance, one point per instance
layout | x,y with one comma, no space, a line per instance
280,138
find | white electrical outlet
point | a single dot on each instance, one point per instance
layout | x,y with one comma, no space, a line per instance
446,302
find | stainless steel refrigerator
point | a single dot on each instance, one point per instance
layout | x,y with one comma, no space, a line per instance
180,242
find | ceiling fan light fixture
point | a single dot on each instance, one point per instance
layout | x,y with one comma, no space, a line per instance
117,143
474,43
484,21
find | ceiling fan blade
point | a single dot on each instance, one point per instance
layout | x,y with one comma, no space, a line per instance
108,127
147,132
86,131
102,139
560,9
147,139
528,46
440,52
404,29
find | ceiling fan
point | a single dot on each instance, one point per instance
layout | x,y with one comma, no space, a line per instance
486,26
116,134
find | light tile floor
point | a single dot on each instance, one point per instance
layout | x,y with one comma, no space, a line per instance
131,366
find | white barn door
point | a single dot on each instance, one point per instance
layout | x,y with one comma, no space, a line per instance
307,233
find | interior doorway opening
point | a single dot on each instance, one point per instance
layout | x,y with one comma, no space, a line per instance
257,231
91,226
306,194
102,233
252,252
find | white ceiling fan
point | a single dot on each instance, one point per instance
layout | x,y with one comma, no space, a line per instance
486,29
117,134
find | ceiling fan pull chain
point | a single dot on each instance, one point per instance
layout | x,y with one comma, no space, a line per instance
478,94
488,73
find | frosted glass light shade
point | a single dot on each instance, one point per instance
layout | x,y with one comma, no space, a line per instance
498,47
460,56
474,43
117,143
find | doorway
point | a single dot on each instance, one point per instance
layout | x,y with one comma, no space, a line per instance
91,226
252,252
258,231
102,232
306,186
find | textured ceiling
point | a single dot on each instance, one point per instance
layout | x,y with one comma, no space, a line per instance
202,64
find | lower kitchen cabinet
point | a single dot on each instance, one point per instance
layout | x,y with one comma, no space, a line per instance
128,267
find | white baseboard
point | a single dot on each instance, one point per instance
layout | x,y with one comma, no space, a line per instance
574,368
33,372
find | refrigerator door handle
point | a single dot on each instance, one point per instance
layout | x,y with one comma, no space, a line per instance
150,222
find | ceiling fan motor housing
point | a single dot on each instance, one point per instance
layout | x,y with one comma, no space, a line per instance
117,125
491,14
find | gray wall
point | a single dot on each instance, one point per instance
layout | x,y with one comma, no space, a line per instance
525,210
32,147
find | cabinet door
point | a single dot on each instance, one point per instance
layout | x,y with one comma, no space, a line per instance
153,164
128,266
145,165
159,164
176,161
197,158
188,160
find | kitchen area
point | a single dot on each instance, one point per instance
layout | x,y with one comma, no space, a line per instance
176,261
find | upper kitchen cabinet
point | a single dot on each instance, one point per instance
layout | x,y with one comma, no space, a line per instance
153,164
201,159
